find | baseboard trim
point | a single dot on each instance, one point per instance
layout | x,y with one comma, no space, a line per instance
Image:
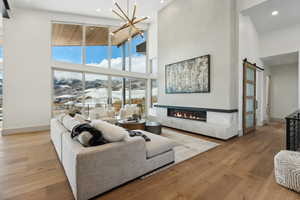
25,130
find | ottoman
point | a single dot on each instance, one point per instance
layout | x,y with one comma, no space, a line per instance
153,127
287,169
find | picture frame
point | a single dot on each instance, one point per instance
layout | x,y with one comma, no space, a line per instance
188,76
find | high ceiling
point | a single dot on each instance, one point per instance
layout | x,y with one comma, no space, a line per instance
282,59
261,15
97,8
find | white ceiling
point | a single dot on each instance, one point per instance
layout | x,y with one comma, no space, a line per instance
282,59
261,15
89,7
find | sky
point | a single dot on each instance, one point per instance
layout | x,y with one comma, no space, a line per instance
94,54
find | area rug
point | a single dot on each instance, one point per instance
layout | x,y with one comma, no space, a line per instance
187,147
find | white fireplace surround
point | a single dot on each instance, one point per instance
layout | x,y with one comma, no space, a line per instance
218,125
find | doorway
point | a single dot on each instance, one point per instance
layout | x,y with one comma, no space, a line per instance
281,85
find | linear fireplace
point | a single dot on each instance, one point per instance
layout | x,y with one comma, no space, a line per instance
187,114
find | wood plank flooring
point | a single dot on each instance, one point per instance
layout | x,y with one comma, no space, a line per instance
240,169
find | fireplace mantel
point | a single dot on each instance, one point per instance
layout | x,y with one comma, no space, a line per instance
199,109
221,124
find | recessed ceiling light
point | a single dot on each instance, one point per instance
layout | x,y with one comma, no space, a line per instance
162,1
275,12
98,10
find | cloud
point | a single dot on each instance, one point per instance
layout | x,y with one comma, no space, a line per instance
138,63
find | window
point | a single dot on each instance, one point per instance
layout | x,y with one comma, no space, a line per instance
97,46
116,57
1,54
154,92
120,50
138,54
127,91
117,92
68,92
88,46
137,96
119,57
96,91
67,43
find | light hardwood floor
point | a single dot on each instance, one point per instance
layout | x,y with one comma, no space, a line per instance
240,169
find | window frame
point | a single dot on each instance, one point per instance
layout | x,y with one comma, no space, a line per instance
109,88
109,49
110,72
151,92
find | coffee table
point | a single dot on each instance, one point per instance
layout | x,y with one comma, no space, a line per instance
139,125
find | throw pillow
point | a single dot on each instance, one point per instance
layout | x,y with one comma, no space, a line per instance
69,122
110,132
84,138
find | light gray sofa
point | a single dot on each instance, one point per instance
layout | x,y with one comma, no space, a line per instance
94,170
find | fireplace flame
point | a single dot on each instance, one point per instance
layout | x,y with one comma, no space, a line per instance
186,116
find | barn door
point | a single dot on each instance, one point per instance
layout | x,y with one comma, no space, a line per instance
249,98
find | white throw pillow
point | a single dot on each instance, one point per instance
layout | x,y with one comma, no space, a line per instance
69,122
110,132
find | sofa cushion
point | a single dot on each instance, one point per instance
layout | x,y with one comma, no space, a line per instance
158,144
110,132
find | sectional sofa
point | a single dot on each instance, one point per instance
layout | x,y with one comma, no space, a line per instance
94,170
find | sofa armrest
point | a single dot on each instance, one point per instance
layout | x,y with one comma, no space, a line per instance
56,131
101,168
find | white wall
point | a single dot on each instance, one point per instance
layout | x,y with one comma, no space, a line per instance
188,29
27,67
284,90
249,48
280,41
27,71
153,42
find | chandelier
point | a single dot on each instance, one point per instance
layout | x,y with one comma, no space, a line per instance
129,22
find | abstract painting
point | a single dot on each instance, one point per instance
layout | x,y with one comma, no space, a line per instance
189,76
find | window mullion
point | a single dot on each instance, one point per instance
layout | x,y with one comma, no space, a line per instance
129,55
109,55
109,90
84,45
83,93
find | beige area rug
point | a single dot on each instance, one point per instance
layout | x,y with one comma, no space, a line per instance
187,147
